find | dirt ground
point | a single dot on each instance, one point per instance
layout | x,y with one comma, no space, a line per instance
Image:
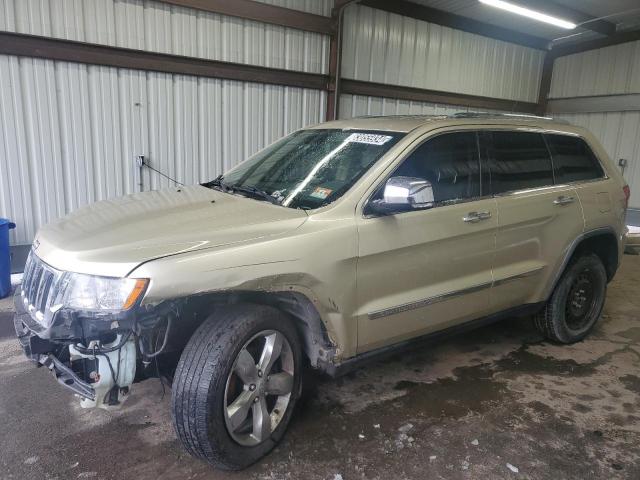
496,403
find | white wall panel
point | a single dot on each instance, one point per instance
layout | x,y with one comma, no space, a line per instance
359,105
619,133
69,133
159,27
319,7
606,71
387,48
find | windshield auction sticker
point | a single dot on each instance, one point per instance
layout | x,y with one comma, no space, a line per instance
369,138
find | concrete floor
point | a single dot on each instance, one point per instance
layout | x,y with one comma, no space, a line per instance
463,409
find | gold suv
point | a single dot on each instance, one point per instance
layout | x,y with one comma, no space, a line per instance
335,245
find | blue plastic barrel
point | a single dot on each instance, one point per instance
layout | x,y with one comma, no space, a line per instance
5,259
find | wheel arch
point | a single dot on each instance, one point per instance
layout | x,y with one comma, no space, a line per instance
317,344
602,241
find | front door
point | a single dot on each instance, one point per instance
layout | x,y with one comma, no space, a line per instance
424,270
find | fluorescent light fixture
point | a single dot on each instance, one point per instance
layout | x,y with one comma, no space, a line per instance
526,12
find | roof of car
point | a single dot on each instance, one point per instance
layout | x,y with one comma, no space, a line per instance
406,123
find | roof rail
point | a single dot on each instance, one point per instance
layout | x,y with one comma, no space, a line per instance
503,115
400,115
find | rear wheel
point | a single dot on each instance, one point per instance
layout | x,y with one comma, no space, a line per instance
236,385
576,303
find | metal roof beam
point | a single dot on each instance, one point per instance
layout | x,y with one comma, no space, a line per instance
451,20
93,54
357,87
262,12
579,47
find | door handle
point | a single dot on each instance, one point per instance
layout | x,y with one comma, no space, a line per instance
562,200
475,217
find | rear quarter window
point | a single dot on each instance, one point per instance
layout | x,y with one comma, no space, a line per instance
573,159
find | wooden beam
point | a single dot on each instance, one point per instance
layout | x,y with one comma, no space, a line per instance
93,54
261,12
566,13
440,17
579,47
356,87
545,83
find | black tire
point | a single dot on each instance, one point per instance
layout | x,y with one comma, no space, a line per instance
576,303
201,379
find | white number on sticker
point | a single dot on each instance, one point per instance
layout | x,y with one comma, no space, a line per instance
369,138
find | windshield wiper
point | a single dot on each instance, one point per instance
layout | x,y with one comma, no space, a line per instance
254,192
218,184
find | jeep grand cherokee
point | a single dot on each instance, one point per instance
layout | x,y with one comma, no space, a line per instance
335,245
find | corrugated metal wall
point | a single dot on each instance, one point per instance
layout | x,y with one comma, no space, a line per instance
164,28
70,133
606,71
359,105
319,7
619,133
387,48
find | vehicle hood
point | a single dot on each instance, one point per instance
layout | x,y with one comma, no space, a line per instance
112,237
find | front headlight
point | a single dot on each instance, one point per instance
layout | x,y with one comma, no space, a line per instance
101,294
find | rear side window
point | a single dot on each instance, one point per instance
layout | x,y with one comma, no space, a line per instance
451,162
518,161
573,160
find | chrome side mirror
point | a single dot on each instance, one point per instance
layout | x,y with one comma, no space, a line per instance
402,194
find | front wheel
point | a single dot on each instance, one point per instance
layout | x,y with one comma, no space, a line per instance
576,303
236,385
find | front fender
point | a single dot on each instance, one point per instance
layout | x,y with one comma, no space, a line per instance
325,276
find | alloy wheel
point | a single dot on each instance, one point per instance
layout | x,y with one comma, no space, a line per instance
259,388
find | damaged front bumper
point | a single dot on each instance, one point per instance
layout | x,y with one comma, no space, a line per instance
67,377
100,373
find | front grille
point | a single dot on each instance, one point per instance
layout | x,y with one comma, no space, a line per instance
40,285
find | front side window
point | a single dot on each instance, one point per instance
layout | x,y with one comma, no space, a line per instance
518,161
449,162
573,160
309,168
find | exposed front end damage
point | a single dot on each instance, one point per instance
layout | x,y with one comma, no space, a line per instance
99,355
81,365
99,367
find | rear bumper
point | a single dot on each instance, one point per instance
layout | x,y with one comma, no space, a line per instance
632,244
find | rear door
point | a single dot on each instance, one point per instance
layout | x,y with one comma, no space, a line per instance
575,164
426,270
537,219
